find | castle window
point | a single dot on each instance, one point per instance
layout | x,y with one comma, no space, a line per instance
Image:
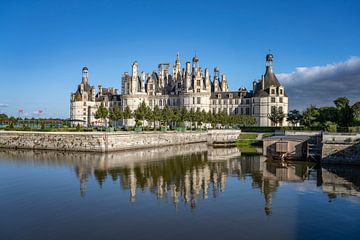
253,110
193,100
84,104
214,102
198,90
236,101
281,91
160,103
272,91
198,109
281,99
214,110
179,85
280,109
242,111
247,101
219,95
247,111
197,82
151,87
198,100
272,99
173,102
230,95
178,102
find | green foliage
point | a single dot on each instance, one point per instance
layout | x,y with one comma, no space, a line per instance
3,116
356,112
345,115
102,113
294,117
276,116
248,136
127,113
115,114
310,116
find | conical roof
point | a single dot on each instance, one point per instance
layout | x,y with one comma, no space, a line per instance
270,78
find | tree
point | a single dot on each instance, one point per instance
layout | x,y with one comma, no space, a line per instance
356,112
3,116
127,113
294,117
115,114
141,112
345,116
166,115
157,115
310,116
276,116
102,113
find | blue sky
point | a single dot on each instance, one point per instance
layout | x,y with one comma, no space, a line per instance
44,44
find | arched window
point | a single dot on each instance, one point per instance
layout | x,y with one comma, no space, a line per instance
160,103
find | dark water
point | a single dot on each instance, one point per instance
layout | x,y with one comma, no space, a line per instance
186,192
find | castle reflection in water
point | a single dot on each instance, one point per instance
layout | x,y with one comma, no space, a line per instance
185,174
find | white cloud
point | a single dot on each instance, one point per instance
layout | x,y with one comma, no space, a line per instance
320,85
3,105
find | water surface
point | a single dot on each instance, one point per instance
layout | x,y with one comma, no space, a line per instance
180,192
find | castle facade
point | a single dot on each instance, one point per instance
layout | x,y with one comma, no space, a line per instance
190,87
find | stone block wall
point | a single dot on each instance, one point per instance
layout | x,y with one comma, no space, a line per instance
106,142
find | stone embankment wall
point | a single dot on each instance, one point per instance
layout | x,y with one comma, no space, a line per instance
341,148
107,142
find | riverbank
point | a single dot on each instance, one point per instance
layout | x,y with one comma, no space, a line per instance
108,142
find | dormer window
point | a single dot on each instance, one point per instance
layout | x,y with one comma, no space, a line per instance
281,92
219,95
230,95
272,91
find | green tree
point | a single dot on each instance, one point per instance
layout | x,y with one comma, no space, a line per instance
127,114
310,116
141,112
102,113
166,115
157,115
276,116
294,117
115,114
345,115
356,112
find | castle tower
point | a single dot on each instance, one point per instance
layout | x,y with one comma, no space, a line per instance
134,77
142,79
195,65
85,77
224,83
217,80
177,68
187,77
207,80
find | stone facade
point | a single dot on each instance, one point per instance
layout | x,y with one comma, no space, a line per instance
189,87
107,142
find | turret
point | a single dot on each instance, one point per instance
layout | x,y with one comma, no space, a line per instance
134,77
85,78
100,90
142,80
224,84
216,80
207,80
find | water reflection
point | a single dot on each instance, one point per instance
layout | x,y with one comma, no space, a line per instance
185,174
